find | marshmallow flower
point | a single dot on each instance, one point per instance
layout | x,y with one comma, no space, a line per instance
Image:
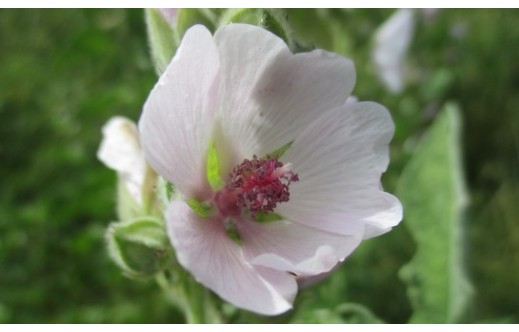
275,129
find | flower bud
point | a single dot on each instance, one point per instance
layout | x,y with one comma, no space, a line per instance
140,248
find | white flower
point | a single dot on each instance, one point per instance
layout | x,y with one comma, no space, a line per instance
169,14
241,95
121,151
392,41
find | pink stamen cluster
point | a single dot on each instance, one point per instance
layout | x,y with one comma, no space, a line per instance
261,184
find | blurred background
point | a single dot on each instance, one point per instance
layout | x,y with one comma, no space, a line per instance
64,73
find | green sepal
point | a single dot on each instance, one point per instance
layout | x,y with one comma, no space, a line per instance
165,192
140,248
267,217
279,152
170,190
202,209
232,232
213,169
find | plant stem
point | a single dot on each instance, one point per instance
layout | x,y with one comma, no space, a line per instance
193,299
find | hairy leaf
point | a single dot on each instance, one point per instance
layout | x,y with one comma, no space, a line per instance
433,193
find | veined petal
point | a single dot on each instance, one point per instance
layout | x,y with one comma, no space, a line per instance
292,247
203,247
121,150
176,123
340,159
269,95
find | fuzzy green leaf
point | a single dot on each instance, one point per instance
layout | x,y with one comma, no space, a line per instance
187,17
433,193
162,39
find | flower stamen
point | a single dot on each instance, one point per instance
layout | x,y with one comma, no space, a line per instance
260,184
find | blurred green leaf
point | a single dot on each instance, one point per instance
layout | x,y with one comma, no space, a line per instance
321,28
354,313
432,191
345,313
437,85
318,316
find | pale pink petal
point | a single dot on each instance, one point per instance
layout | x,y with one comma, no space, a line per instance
305,282
292,247
121,150
176,123
340,159
203,247
269,95
351,100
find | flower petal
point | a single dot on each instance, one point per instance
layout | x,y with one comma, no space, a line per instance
203,247
392,40
340,159
269,95
292,247
120,150
176,122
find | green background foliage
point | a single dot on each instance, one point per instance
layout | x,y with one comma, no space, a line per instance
64,73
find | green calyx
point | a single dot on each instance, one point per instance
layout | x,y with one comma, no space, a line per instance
202,209
264,217
213,169
279,152
232,232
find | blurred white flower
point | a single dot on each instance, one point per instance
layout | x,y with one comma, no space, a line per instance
224,108
169,14
392,41
121,151
429,14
